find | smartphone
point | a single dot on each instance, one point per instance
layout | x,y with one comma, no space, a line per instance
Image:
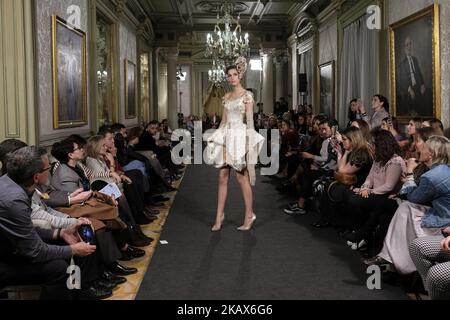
86,233
334,130
86,185
389,121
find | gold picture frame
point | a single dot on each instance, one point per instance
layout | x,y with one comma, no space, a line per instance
130,90
68,75
415,65
326,88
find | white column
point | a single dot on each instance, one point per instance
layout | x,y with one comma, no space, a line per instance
281,77
172,92
294,71
163,109
267,94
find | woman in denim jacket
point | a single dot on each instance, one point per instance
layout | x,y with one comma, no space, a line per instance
426,211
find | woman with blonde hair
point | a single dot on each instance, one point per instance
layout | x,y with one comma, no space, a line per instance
415,218
354,160
96,150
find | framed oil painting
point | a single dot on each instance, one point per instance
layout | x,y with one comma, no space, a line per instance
130,90
69,75
326,88
415,65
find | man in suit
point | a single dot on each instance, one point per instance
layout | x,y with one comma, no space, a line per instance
26,257
412,95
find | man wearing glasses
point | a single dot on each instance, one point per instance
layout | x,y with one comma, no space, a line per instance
26,257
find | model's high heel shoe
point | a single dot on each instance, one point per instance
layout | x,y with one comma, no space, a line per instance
246,228
217,227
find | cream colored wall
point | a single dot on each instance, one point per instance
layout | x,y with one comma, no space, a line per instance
399,9
17,101
43,32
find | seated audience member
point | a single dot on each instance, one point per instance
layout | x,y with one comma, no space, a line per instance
415,165
356,111
302,125
134,137
96,162
313,147
371,204
391,124
6,147
410,148
431,256
166,128
42,215
365,129
26,258
128,161
415,218
354,161
434,123
324,164
289,142
70,176
147,141
380,107
140,184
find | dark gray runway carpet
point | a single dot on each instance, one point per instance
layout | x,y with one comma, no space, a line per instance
283,257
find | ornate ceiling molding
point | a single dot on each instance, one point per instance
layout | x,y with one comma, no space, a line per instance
216,7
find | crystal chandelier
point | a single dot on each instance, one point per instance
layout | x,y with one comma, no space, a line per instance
226,44
217,73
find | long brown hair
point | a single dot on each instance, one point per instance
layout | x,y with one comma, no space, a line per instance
365,129
361,153
385,147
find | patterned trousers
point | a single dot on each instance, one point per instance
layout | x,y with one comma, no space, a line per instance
433,265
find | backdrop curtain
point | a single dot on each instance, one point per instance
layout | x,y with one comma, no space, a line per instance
359,67
306,66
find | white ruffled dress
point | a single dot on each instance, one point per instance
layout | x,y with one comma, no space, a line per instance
236,143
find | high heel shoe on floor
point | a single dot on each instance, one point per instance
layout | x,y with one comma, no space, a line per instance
218,227
246,228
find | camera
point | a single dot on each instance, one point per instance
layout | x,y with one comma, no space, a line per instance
86,233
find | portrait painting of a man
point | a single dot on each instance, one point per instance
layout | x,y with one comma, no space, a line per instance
69,49
414,65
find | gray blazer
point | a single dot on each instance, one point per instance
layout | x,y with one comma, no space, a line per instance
377,118
57,198
65,179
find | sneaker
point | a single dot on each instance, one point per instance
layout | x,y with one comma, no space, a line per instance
375,261
295,210
293,205
359,245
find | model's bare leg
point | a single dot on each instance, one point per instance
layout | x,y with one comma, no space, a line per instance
247,192
224,176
